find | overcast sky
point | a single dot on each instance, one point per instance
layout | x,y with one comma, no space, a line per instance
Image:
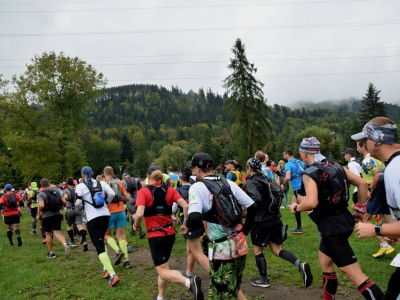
305,50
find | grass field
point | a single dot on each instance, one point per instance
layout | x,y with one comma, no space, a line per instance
26,272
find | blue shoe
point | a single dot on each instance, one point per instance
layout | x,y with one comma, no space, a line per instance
297,230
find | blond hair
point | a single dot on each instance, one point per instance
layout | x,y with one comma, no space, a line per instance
279,165
157,176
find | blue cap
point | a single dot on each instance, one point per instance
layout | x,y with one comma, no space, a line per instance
87,171
8,187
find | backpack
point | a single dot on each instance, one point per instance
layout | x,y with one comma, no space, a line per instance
225,208
132,185
240,181
113,183
97,195
12,201
159,205
275,194
338,191
53,201
300,170
34,196
184,193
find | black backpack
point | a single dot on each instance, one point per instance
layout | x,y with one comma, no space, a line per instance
275,194
225,208
97,195
337,192
53,201
12,201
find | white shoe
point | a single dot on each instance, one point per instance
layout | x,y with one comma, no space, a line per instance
282,206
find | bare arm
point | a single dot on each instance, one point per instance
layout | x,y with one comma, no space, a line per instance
311,199
287,177
138,216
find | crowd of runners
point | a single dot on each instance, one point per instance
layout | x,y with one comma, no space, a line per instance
216,207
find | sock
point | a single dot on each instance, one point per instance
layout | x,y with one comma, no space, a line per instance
65,245
51,252
312,217
370,290
329,285
261,264
71,235
287,255
160,298
113,244
82,233
187,283
9,235
105,260
124,249
384,245
298,219
17,232
43,233
34,225
188,274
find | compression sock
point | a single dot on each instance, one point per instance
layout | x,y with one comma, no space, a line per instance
384,245
105,260
298,219
82,233
261,264
17,232
9,235
329,285
124,249
113,244
71,235
34,225
43,233
370,290
312,217
287,255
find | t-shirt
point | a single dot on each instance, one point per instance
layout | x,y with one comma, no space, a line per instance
145,198
296,168
34,202
267,171
175,178
41,197
82,190
355,168
369,165
200,200
7,210
392,186
118,207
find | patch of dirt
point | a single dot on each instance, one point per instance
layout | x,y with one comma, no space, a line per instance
275,291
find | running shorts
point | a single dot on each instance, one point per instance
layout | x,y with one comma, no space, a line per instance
13,219
261,234
52,223
337,247
161,248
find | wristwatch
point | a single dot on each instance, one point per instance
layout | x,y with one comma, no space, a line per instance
378,229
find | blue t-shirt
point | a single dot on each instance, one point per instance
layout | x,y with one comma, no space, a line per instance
296,168
175,178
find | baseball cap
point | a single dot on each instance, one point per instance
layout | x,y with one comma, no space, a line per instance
230,162
349,151
8,187
254,163
385,134
201,160
152,168
126,173
319,157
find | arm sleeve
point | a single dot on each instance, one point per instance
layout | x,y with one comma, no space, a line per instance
251,214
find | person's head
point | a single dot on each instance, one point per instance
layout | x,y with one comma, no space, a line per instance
156,177
348,153
230,165
45,183
87,174
201,165
8,187
219,169
108,172
281,164
287,154
152,168
380,136
260,156
184,175
126,174
70,181
309,147
253,165
169,170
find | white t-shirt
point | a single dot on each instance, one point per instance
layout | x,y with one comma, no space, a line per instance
200,200
91,212
355,168
392,186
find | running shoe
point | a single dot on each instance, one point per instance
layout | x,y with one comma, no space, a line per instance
383,251
51,255
11,244
127,264
195,288
44,241
129,249
282,207
260,281
305,272
142,234
119,256
297,230
133,232
113,280
19,241
183,272
67,251
33,232
106,274
71,244
284,231
85,247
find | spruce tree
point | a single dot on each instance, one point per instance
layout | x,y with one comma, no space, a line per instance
371,105
245,103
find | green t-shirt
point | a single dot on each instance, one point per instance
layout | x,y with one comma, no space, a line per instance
369,165
34,201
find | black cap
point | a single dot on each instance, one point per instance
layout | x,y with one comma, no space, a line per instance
201,160
230,162
152,168
349,151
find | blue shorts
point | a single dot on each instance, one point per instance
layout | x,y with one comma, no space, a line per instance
117,220
375,207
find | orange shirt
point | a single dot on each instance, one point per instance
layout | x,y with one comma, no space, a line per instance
117,207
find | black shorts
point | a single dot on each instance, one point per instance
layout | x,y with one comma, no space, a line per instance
161,248
14,219
299,193
34,211
337,247
52,223
261,234
355,197
194,233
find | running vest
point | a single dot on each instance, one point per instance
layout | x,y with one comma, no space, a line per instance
159,207
239,179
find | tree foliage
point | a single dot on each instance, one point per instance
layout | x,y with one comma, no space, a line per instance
371,105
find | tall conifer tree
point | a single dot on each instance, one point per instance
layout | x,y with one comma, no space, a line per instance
371,105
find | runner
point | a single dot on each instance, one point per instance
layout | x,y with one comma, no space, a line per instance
32,202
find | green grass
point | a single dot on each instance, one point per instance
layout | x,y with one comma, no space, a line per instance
26,273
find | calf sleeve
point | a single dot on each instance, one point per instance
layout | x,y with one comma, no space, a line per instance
289,256
298,219
329,285
105,260
83,233
9,235
34,225
261,264
370,290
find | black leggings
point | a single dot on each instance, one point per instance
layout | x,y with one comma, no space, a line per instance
97,228
393,290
